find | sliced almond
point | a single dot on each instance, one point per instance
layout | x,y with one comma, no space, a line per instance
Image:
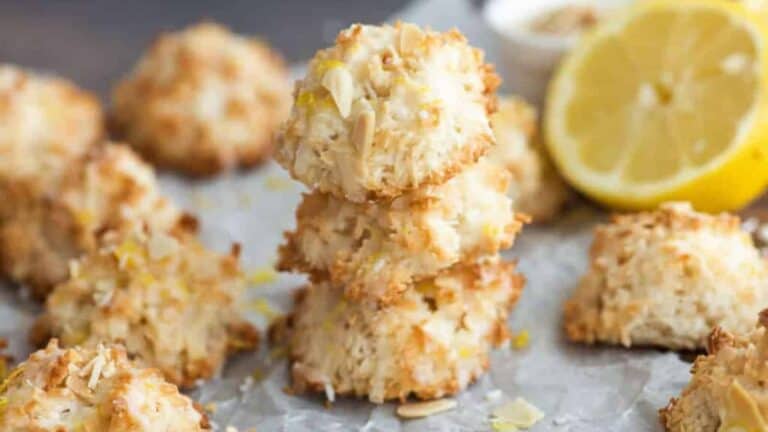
518,413
338,81
362,132
411,38
162,245
741,411
425,409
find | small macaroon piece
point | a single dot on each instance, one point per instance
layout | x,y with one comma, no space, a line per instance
434,342
203,100
377,249
388,109
666,278
45,123
92,389
171,302
111,188
727,390
536,188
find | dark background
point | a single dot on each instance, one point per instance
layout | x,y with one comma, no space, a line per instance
95,42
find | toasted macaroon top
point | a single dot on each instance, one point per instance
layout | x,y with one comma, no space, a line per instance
172,302
387,109
45,123
92,389
727,390
203,99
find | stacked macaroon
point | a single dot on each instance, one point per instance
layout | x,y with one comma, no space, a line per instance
401,231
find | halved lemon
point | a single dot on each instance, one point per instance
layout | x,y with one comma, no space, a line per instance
666,101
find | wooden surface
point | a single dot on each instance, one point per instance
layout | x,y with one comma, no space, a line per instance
95,42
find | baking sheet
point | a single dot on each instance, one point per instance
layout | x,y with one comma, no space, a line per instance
579,389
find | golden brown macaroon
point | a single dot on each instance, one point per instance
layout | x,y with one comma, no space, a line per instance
377,249
388,109
45,124
92,389
203,100
536,188
434,342
666,278
171,302
727,392
111,188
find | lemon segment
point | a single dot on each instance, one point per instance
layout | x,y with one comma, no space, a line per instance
667,101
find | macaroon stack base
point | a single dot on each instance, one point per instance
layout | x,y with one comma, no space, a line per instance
401,233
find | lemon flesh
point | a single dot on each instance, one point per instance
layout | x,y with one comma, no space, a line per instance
666,102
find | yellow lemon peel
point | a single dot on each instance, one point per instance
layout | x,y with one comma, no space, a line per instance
521,340
260,276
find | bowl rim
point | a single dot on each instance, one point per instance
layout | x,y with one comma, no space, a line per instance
499,13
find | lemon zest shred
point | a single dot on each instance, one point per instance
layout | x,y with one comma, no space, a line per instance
466,352
146,279
521,340
84,217
263,307
240,344
264,275
305,99
325,65
491,230
129,254
16,372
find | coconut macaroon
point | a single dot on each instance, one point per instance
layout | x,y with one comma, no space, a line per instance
727,391
433,342
47,123
666,278
388,109
378,249
92,389
111,188
536,188
203,100
171,302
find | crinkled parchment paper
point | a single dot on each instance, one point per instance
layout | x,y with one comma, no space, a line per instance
579,389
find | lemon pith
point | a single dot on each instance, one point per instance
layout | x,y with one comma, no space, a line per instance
666,102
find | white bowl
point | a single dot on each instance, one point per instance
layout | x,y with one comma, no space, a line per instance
527,59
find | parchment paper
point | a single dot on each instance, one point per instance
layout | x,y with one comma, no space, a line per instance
579,389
